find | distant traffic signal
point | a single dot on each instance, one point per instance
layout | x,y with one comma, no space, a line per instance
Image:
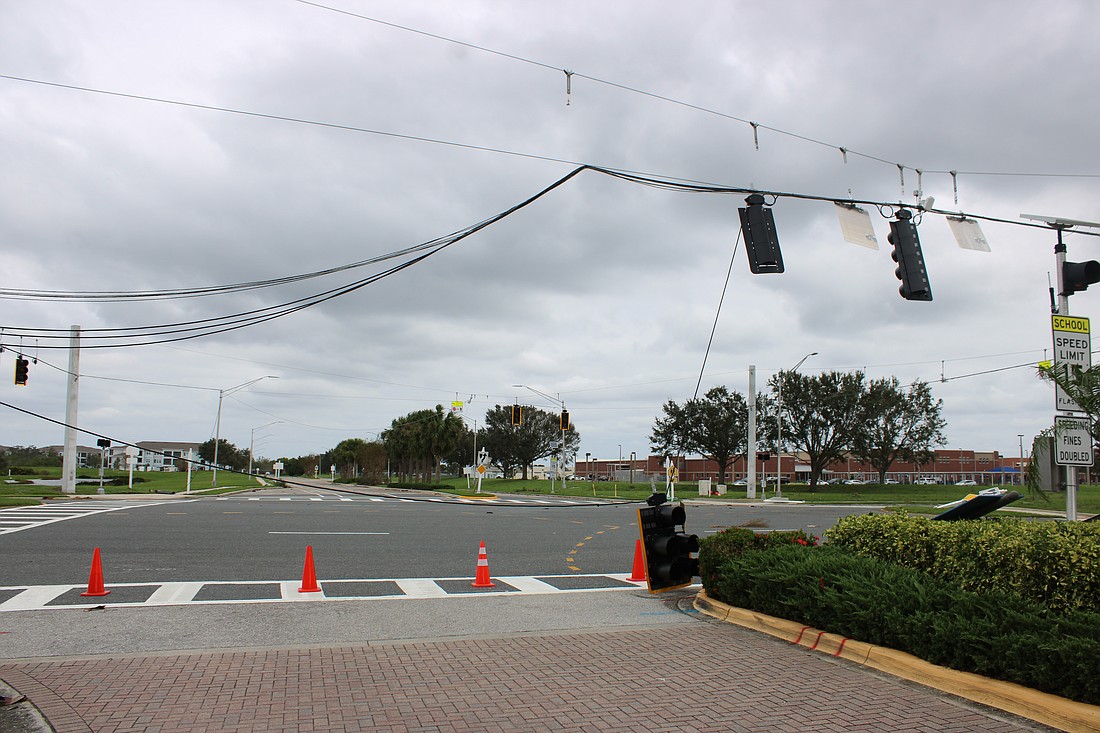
517,415
761,241
22,370
564,422
1077,276
910,259
669,564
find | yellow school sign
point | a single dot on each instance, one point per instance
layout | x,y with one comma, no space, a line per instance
1072,347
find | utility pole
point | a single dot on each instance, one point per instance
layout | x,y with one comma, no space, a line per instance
68,457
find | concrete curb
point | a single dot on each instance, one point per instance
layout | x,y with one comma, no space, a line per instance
1042,707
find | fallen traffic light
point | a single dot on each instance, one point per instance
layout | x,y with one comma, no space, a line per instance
761,241
669,564
1077,276
22,370
907,253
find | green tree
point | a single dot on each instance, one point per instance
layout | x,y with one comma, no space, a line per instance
714,426
419,442
821,414
228,454
898,425
513,447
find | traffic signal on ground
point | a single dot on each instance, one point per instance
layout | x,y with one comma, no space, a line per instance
761,241
1077,276
910,259
564,422
22,370
517,415
668,548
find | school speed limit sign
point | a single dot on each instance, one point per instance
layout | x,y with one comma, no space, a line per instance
1072,441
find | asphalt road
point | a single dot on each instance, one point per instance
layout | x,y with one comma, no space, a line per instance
263,536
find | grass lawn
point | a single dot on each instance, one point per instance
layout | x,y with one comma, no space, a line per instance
17,489
913,497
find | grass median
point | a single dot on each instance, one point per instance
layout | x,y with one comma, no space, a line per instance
22,489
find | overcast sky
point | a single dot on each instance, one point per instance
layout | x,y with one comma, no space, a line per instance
603,291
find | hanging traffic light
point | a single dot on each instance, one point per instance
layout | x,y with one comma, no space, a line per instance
517,415
22,370
564,422
669,564
1077,276
910,259
761,241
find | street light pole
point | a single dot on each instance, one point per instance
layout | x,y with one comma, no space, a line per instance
564,429
1020,474
779,429
252,442
218,423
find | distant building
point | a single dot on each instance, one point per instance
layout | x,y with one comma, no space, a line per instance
946,466
161,456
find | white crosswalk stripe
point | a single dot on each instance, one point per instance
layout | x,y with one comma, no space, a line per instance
23,518
50,597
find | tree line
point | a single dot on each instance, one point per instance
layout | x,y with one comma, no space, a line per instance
823,417
424,444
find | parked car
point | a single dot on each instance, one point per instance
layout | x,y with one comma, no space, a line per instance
924,481
854,482
966,482
890,482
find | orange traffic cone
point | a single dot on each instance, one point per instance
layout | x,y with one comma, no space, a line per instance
482,579
95,578
639,562
309,577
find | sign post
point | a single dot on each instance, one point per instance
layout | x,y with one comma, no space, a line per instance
1072,437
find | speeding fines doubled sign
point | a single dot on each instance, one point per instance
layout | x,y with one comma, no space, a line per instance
1072,441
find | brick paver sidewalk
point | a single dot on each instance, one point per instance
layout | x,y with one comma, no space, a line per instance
690,677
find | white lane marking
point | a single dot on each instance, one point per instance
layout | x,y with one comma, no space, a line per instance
382,533
528,584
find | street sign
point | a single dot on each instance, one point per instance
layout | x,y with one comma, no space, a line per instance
1072,441
1072,347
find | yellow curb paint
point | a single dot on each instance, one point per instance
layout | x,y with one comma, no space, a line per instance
1042,707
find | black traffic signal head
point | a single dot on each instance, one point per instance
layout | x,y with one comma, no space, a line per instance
517,415
761,241
22,370
910,259
564,421
669,564
1077,276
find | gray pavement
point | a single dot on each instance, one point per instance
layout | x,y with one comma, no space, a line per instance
614,661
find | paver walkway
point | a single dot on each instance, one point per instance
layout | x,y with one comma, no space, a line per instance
695,676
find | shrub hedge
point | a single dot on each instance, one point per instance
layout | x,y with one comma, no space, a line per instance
993,633
1056,564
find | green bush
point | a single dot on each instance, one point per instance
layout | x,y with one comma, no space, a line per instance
1056,564
995,634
